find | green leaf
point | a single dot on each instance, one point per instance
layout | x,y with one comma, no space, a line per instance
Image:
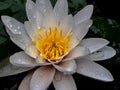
8,48
2,40
2,31
77,2
20,16
53,2
106,28
1,25
4,5
2,46
16,5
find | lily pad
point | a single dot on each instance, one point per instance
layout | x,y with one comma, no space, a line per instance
4,5
2,40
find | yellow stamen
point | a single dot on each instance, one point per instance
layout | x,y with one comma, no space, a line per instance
52,44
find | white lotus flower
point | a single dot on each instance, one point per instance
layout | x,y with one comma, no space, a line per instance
53,42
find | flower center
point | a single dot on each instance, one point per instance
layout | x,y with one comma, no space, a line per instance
52,44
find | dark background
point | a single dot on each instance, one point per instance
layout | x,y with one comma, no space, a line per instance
107,8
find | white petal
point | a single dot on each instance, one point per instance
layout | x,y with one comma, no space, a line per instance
33,14
42,78
61,9
15,26
32,51
25,84
7,69
50,21
42,62
30,29
66,24
44,6
74,41
68,67
19,40
17,32
23,60
82,29
76,53
65,82
79,32
94,44
49,62
83,15
103,54
93,70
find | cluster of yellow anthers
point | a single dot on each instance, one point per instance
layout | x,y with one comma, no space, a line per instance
52,44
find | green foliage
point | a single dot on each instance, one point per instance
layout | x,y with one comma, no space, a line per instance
106,28
2,40
76,3
4,5
53,2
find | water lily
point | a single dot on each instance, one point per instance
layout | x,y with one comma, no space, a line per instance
52,43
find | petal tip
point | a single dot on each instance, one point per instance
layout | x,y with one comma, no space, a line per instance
114,52
90,6
4,17
108,79
102,39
